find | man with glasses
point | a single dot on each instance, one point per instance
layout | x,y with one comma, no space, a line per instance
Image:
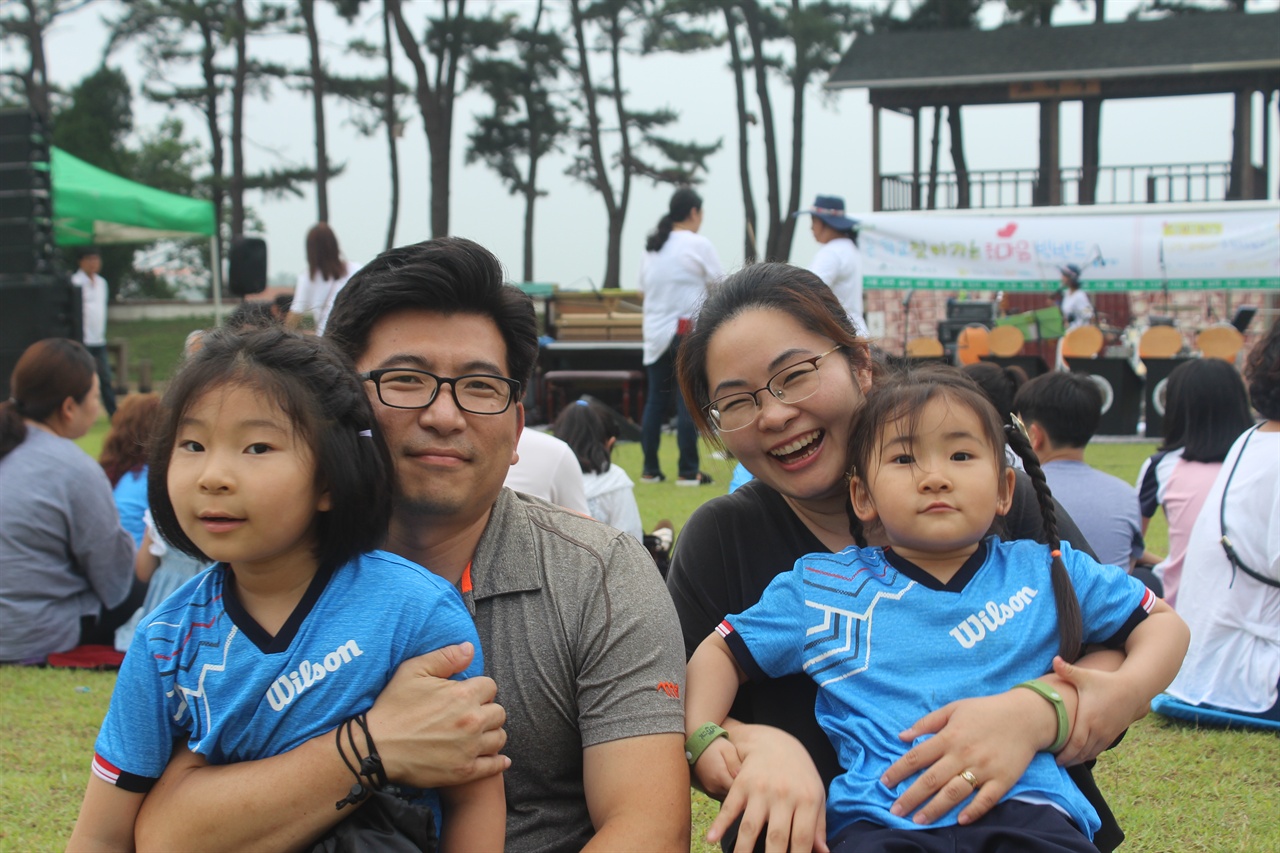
577,630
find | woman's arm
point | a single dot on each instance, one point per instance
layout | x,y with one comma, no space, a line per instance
995,738
145,563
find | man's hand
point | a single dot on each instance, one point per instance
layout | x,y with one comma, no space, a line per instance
432,732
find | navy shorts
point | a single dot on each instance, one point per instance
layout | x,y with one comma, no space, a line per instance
1010,827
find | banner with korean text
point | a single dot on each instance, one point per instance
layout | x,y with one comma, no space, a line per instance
1228,247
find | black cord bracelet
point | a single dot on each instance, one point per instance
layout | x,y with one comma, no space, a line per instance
369,773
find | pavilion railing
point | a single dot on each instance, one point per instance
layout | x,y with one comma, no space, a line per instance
1174,182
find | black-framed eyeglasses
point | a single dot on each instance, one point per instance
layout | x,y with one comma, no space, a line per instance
477,393
791,384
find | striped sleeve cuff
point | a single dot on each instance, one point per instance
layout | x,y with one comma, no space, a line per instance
112,775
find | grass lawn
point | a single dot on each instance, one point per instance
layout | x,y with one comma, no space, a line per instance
1174,788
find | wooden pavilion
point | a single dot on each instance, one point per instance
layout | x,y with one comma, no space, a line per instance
1210,53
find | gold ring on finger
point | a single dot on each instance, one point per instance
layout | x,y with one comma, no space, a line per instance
970,778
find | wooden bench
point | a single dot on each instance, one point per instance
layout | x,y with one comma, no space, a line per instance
555,385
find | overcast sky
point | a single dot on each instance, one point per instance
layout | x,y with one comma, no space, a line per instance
570,232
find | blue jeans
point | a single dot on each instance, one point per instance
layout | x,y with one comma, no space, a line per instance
106,383
662,384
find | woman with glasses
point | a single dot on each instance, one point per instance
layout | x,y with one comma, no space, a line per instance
774,372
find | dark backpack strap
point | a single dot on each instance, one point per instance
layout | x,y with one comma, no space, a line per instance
1227,547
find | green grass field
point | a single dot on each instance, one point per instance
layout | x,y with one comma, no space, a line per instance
1173,787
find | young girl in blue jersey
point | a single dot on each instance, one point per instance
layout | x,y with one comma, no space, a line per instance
943,611
268,460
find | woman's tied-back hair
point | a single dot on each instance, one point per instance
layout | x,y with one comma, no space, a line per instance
323,256
47,373
587,427
1206,409
1000,384
125,447
317,389
902,396
683,202
449,275
1263,370
777,287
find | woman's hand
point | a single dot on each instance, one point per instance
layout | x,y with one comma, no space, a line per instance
992,737
1107,705
776,785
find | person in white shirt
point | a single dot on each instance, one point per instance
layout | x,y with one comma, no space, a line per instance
93,295
679,265
838,262
590,434
1231,601
327,272
1077,310
548,469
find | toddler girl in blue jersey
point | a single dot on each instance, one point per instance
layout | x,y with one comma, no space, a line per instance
944,611
268,460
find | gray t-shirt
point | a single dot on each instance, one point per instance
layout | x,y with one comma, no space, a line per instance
1104,507
63,550
581,636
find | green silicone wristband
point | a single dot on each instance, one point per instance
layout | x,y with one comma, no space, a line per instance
701,738
1054,698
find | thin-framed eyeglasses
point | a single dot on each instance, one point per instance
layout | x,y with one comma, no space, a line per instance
791,384
477,393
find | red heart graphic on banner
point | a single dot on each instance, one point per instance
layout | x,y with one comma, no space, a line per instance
1008,230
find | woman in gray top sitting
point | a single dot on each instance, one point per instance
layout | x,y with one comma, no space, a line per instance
68,564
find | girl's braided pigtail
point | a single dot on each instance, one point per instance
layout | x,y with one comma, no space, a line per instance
1070,624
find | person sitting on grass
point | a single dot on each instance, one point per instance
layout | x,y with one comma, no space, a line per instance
591,435
124,458
1062,412
944,612
268,460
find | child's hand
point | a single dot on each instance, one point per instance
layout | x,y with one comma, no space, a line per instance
776,786
717,767
1107,705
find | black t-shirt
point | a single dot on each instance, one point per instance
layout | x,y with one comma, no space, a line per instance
733,546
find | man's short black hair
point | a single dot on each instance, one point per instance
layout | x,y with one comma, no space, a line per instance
450,275
88,252
1067,406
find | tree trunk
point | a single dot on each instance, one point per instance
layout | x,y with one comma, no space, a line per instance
36,80
210,73
593,132
957,157
238,87
389,118
787,223
934,144
435,103
751,11
317,103
530,199
749,251
613,269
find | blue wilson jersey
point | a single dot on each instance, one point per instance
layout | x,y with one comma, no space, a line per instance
887,643
201,670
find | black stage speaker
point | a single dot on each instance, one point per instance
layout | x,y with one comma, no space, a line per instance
1121,392
972,311
26,214
1158,370
1032,365
247,265
33,308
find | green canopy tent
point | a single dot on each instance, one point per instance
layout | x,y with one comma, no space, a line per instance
92,206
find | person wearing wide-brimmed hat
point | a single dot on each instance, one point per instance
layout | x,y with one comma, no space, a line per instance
1077,310
838,262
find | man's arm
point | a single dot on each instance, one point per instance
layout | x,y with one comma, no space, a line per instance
638,793
431,732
